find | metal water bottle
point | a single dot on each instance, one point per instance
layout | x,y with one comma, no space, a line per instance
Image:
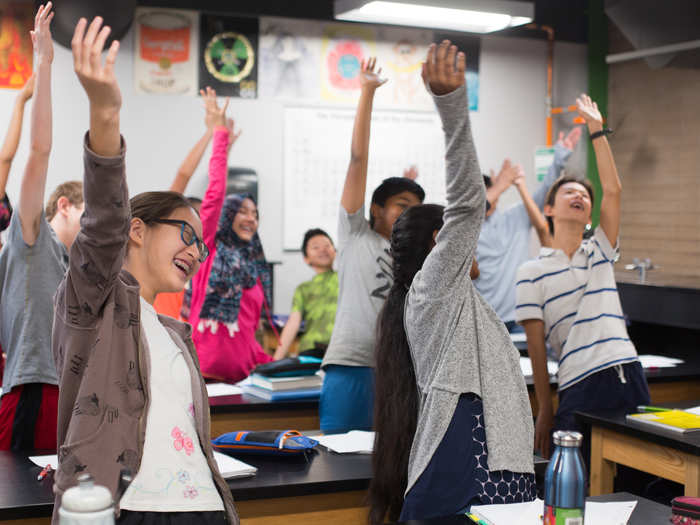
565,481
86,504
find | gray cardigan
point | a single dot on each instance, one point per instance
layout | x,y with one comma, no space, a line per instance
458,343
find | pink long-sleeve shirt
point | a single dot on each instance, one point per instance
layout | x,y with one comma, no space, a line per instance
226,353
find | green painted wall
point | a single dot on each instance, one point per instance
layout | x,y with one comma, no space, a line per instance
597,83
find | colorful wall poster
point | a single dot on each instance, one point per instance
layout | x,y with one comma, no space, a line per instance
400,53
343,48
289,58
471,45
16,20
229,55
166,48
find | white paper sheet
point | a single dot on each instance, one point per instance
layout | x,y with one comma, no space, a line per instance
42,461
354,442
233,468
223,389
526,366
659,361
228,466
511,514
608,513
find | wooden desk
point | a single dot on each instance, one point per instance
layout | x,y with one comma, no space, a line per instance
246,412
328,488
646,512
325,488
656,451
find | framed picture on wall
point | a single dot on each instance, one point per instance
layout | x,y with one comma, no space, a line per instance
229,55
16,19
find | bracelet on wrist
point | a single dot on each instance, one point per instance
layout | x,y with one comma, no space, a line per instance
603,132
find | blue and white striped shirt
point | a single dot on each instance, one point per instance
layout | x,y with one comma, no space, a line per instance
578,301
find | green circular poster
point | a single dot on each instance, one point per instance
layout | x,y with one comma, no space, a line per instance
229,57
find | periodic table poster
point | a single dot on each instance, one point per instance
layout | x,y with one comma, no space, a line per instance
317,152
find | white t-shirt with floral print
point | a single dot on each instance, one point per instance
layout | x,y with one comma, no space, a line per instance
174,475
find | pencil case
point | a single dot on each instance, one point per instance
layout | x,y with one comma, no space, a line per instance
685,510
264,443
290,366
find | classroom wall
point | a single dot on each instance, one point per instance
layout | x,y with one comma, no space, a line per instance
160,129
657,148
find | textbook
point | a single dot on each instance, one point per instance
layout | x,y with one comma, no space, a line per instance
678,421
283,395
277,384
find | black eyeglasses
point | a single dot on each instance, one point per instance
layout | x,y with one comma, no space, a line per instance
188,236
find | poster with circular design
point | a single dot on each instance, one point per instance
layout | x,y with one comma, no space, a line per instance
229,55
343,48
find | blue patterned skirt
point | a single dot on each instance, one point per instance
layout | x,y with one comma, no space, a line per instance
458,476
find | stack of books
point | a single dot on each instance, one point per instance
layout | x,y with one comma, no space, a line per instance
284,388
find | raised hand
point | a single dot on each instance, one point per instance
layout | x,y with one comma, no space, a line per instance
588,111
41,34
509,173
28,90
410,173
97,79
215,115
368,78
444,68
571,139
208,95
519,179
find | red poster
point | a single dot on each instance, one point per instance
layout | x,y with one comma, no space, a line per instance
16,20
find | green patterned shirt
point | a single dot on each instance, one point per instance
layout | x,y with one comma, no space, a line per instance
317,300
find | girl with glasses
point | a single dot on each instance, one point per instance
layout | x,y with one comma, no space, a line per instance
131,398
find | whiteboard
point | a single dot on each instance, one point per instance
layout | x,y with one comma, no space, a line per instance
317,153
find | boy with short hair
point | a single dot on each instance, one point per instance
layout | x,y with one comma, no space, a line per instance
568,298
32,264
314,301
364,275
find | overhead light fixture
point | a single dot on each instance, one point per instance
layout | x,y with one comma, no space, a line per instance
474,16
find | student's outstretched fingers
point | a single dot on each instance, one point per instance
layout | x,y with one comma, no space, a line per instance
88,41
77,44
111,58
369,79
461,65
444,77
98,46
450,60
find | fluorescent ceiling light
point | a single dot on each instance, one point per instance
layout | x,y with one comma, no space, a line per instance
475,16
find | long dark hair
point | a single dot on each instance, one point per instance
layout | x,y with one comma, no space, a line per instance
396,396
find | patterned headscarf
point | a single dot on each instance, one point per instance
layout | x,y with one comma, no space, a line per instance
237,266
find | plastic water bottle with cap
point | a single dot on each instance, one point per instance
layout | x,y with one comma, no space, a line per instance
86,504
565,481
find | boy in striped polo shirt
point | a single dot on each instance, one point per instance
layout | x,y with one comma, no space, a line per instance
567,298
